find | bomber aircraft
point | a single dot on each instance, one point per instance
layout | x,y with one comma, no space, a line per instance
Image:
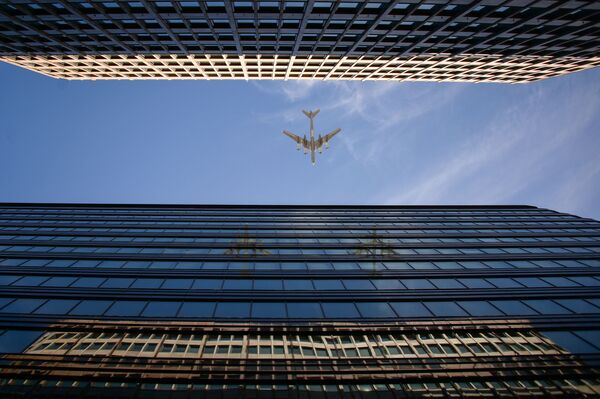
313,144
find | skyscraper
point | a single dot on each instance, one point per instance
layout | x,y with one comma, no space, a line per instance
405,40
298,301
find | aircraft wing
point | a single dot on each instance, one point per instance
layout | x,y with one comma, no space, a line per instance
327,137
299,140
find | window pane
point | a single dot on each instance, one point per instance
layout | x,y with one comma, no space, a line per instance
30,281
59,282
268,284
233,309
578,305
513,308
197,309
57,306
126,308
358,284
298,285
544,306
208,284
268,310
117,283
161,309
91,308
504,282
388,284
23,305
445,309
479,308
88,282
570,342
304,310
417,284
6,280
340,309
446,283
177,284
147,283
328,284
532,282
237,285
375,309
475,283
410,309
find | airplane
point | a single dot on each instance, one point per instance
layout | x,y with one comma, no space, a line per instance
313,144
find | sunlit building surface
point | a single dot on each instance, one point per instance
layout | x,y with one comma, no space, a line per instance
183,301
406,40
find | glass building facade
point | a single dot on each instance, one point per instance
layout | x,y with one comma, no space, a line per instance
402,40
185,301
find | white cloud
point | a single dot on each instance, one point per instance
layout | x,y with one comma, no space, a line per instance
519,149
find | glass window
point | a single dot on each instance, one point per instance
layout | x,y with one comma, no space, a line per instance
475,283
560,282
91,308
237,284
570,342
264,310
388,284
88,282
6,280
268,285
513,308
504,282
546,306
16,341
207,284
375,309
23,305
410,309
298,285
444,309
358,284
117,283
532,282
233,309
578,305
59,282
340,309
126,308
161,309
30,281
302,310
57,306
479,308
177,284
328,285
446,283
417,284
147,283
197,309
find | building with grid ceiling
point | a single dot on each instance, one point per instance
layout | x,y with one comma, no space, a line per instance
187,301
402,40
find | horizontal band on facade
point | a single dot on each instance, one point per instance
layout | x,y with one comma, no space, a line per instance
429,67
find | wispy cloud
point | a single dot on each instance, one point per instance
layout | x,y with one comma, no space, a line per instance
516,152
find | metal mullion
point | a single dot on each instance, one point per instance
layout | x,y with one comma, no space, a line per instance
30,28
74,11
307,11
211,27
150,7
179,11
376,21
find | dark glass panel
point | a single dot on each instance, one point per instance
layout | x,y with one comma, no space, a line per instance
91,308
233,309
57,306
126,308
161,309
375,309
340,310
268,310
304,310
410,309
197,309
445,309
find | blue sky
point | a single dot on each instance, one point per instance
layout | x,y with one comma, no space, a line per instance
221,142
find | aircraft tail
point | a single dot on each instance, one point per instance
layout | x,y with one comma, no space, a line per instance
311,114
